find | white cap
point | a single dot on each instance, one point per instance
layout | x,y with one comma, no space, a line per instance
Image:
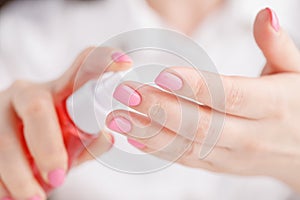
89,105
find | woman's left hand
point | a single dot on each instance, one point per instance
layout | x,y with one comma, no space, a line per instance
261,132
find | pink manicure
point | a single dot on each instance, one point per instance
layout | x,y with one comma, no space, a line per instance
127,95
274,20
56,177
35,198
120,124
119,57
136,143
169,81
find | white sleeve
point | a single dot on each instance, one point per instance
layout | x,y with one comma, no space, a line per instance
5,77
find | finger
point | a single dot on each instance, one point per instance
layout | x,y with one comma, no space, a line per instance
279,49
166,109
151,133
188,119
220,160
202,164
4,194
42,133
154,139
241,94
98,147
143,132
90,64
15,170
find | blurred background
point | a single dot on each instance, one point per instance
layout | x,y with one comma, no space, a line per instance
40,39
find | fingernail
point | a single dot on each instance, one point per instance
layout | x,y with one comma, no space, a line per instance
135,143
119,57
120,124
274,19
169,81
127,95
56,177
35,198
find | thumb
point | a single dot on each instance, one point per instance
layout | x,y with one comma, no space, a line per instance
280,51
91,63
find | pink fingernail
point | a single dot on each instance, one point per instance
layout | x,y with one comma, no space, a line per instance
35,198
135,143
127,95
56,177
120,124
119,57
169,81
274,19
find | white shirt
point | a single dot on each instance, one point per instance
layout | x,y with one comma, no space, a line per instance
39,40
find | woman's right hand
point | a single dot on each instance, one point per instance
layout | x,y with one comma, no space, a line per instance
32,105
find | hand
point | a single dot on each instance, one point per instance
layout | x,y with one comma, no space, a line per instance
261,133
33,105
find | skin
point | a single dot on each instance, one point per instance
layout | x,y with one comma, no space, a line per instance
261,134
33,105
277,142
184,15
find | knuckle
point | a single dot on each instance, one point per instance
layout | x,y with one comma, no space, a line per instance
252,144
205,123
20,84
234,97
200,88
157,110
38,104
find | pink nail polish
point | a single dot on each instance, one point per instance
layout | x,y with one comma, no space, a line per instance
56,177
136,143
119,57
120,124
35,198
274,19
169,81
127,95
